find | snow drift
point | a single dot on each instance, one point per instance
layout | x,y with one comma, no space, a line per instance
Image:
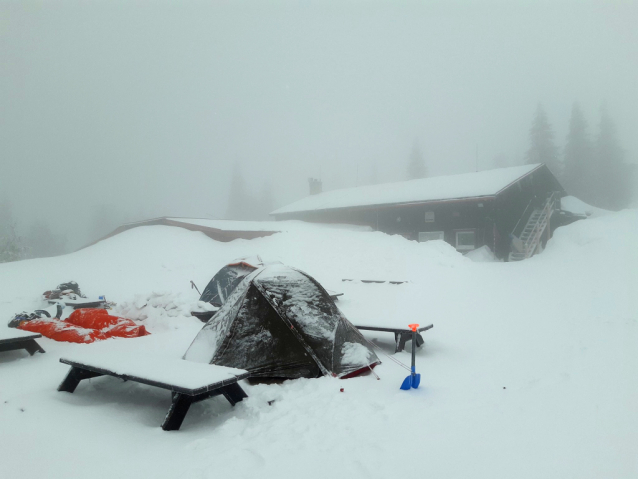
528,373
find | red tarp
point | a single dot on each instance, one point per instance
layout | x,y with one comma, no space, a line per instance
85,326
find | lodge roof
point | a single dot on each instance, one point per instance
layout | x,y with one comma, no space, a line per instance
439,188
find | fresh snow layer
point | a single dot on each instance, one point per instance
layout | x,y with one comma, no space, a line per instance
154,367
482,254
10,333
529,371
576,206
229,225
467,185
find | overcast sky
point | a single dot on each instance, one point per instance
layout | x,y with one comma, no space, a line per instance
146,106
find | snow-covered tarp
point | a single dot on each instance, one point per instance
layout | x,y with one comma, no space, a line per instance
467,185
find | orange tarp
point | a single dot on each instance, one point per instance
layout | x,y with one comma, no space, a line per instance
85,326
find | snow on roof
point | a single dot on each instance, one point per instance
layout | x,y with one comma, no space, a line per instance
230,225
467,185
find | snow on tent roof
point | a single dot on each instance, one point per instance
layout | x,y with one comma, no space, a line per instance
468,185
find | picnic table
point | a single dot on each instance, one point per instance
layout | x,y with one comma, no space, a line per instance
188,382
13,339
401,335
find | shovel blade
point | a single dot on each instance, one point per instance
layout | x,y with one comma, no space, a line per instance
416,380
407,383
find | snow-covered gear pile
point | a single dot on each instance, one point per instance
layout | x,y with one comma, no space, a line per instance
158,305
82,326
72,296
279,322
69,289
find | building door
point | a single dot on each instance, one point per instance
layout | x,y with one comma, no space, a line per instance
465,240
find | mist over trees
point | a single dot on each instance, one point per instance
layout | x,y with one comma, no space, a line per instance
595,171
613,175
42,242
239,203
578,170
416,165
266,202
105,219
38,242
373,179
542,148
244,205
12,247
146,122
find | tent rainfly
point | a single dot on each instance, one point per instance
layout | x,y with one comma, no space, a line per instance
227,279
279,322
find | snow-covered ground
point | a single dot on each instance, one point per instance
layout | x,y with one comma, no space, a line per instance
529,372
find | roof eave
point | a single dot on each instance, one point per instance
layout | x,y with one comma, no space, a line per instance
390,205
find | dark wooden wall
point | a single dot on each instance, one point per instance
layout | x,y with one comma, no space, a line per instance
492,218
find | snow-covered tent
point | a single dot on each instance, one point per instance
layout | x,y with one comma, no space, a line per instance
227,279
279,322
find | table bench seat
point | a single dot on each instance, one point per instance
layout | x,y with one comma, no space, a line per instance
189,382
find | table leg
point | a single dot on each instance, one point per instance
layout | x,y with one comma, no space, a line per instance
177,412
234,393
33,347
74,377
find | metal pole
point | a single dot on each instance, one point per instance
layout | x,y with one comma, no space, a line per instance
414,333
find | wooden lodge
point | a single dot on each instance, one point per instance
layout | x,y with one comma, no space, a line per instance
467,210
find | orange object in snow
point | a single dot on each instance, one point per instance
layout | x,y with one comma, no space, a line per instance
85,326
413,327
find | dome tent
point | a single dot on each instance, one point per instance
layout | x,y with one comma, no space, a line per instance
227,279
221,286
279,322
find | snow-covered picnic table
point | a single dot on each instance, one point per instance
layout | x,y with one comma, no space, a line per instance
188,381
12,339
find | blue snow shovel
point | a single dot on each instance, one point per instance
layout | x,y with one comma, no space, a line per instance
414,379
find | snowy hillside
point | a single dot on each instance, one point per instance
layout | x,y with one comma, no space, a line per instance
529,371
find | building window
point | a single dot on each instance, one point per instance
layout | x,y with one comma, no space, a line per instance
429,216
430,235
465,240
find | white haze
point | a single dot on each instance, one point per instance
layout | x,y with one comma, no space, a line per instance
145,107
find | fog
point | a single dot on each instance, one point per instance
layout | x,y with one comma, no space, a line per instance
143,109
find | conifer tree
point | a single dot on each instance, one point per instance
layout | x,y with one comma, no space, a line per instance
42,242
239,203
416,166
6,217
12,247
266,202
542,148
613,175
578,174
